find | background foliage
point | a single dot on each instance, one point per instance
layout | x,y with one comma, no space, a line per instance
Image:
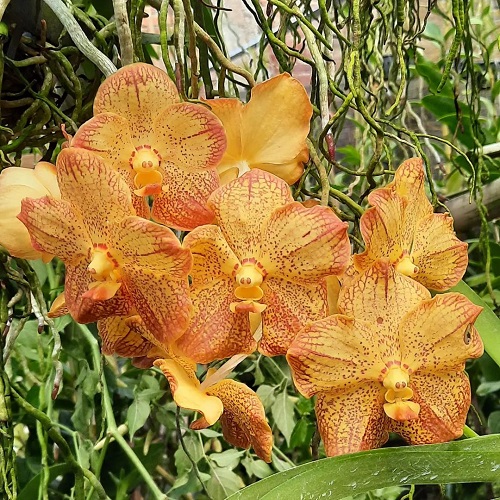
389,79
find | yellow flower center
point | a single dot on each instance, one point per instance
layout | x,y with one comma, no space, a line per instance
406,266
146,161
398,395
248,280
105,271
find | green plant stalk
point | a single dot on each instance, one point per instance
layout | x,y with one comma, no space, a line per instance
193,56
164,40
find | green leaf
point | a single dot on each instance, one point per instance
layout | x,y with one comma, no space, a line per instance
282,412
228,458
30,491
488,387
494,421
137,415
466,461
266,395
257,468
222,483
487,323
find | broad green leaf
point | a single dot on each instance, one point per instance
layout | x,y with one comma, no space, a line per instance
488,387
228,458
222,483
137,415
487,323
266,395
30,491
257,468
282,412
494,422
466,461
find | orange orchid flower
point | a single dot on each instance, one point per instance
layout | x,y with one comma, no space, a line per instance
162,147
15,184
269,132
115,261
268,257
239,409
392,361
401,226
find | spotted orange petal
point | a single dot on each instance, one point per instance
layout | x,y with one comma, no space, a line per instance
334,354
56,228
290,305
215,332
243,421
444,400
440,256
186,391
352,420
58,307
304,244
137,92
438,334
182,203
243,206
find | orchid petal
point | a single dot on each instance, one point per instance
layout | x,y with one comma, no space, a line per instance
58,307
352,420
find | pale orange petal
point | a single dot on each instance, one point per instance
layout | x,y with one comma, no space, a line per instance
381,296
243,206
187,393
215,332
46,174
244,421
191,136
58,307
25,177
212,257
275,122
118,337
162,302
334,354
290,305
352,420
151,246
444,400
183,201
56,228
438,334
290,171
304,244
440,256
333,291
137,92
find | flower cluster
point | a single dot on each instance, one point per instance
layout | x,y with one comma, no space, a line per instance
254,272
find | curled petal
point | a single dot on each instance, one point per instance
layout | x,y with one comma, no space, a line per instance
151,246
290,171
243,206
304,244
352,420
438,334
191,136
182,203
56,228
381,296
137,92
187,393
290,305
212,257
119,336
58,307
244,421
440,256
444,400
334,354
215,332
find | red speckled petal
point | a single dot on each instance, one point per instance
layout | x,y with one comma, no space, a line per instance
162,302
55,228
243,206
137,92
441,257
151,246
85,310
243,421
437,335
334,354
183,201
382,296
97,191
352,420
191,136
290,305
215,332
304,244
119,336
444,400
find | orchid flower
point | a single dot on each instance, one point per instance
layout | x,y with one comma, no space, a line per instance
401,226
392,361
15,184
162,147
115,261
269,132
267,258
